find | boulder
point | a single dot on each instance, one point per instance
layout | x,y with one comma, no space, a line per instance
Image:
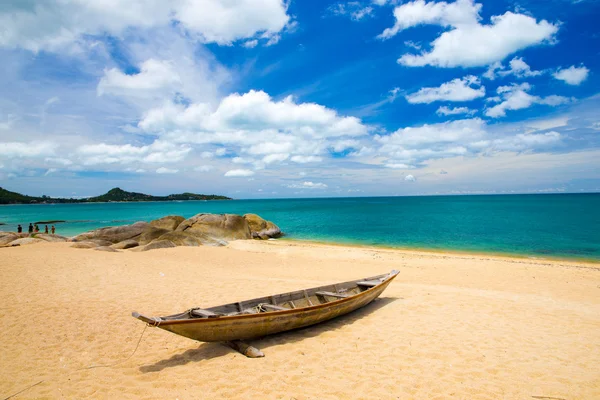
101,242
218,226
158,244
187,239
7,237
125,244
84,245
149,234
114,234
170,222
50,238
259,228
25,241
106,248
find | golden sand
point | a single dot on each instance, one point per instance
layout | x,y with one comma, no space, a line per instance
449,326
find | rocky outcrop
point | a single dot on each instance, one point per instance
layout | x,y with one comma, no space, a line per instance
170,231
150,233
170,222
106,248
261,229
50,238
114,234
158,244
125,244
218,226
25,241
181,238
7,237
84,245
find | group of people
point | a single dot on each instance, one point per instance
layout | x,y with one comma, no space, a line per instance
34,228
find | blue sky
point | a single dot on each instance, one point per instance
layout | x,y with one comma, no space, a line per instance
264,98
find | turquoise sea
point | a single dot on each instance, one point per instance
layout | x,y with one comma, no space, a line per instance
549,225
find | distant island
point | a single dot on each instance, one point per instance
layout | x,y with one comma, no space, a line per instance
113,195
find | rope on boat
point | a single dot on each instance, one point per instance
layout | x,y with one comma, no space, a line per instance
120,362
27,388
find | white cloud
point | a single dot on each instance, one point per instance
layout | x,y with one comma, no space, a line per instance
308,185
155,77
515,97
363,12
26,150
54,24
444,110
239,173
306,159
254,110
413,45
455,90
249,44
157,152
410,178
61,161
354,9
393,94
171,66
525,141
467,43
163,170
278,157
255,125
518,68
427,135
398,166
572,75
204,168
414,147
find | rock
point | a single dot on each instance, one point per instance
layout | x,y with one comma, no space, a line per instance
158,244
187,239
125,244
50,238
101,242
7,237
114,234
106,248
84,245
170,222
25,241
218,226
259,228
150,233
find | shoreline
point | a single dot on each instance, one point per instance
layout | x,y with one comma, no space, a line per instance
422,250
449,251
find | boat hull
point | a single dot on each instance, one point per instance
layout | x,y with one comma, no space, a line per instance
258,325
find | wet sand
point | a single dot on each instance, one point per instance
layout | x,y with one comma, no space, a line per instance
449,326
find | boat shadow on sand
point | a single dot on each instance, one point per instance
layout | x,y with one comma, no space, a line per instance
207,351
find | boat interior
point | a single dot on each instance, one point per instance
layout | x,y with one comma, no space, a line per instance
285,301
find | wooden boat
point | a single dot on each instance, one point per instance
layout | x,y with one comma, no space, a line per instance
272,314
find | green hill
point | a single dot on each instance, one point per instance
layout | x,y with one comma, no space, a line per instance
113,195
118,194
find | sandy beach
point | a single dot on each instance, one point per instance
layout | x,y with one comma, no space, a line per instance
449,326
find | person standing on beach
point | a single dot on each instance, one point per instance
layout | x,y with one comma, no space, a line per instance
53,229
46,229
30,228
19,229
36,228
